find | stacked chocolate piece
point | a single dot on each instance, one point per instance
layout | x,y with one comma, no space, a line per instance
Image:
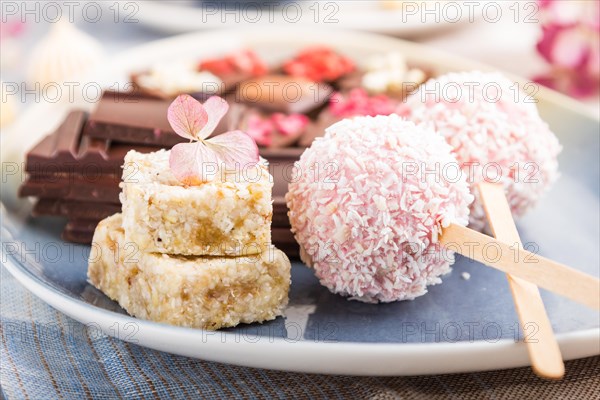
75,176
75,171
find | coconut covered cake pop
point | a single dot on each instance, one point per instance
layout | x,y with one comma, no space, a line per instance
367,203
496,133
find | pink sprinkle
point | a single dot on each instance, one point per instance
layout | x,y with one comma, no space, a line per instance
289,125
260,129
358,102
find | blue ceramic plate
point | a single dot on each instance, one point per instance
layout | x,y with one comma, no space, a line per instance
460,325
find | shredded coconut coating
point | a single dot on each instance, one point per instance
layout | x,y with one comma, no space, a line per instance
366,220
197,292
496,133
230,215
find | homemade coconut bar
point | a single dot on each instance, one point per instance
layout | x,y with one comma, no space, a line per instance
198,292
230,215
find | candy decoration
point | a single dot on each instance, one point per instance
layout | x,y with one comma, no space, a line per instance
319,64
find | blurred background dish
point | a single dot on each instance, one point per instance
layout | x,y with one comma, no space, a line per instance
400,18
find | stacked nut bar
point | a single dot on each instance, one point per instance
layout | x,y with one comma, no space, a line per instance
224,217
196,256
75,171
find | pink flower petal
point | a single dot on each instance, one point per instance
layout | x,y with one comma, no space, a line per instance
187,116
593,61
216,108
193,163
570,48
579,85
569,43
544,3
547,80
235,148
546,42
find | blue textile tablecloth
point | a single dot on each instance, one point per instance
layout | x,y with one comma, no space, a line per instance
47,355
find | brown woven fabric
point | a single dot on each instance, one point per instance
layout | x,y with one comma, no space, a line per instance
582,381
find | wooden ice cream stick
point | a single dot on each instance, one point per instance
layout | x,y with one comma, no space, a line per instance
516,261
544,353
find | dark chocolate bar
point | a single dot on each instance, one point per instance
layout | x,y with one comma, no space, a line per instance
66,150
281,166
142,120
101,189
73,236
280,216
131,118
283,239
317,128
75,209
282,93
80,231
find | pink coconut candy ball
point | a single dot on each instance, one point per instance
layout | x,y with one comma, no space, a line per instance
496,133
367,215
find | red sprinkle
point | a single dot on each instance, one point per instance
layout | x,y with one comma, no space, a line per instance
319,64
245,61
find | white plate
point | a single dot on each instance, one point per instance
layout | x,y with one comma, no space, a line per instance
350,337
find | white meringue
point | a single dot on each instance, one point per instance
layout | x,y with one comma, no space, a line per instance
63,55
389,72
12,53
176,77
9,107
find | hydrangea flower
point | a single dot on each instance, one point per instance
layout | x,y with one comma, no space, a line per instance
570,43
195,121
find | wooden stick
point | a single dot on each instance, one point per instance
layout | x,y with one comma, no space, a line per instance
516,261
544,353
